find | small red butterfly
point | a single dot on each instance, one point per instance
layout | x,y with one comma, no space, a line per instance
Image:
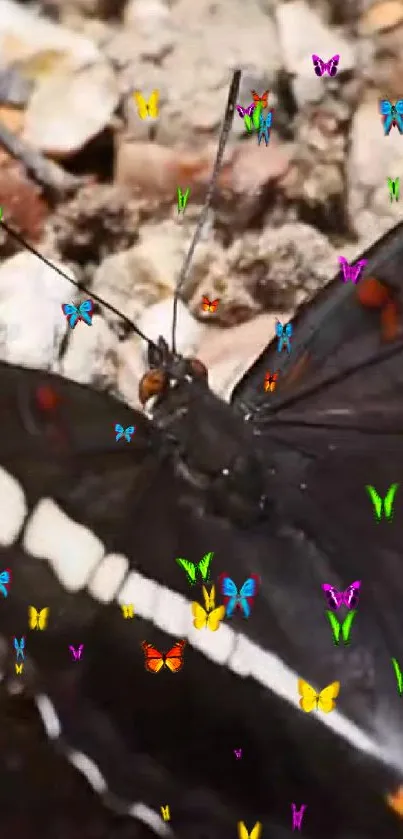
210,305
270,381
154,660
262,99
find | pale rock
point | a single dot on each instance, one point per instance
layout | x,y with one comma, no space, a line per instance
37,46
157,320
91,355
67,110
31,318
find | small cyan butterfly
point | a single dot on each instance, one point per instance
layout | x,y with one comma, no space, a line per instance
127,433
75,313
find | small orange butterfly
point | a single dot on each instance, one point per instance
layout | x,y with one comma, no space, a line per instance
262,99
155,661
210,305
270,381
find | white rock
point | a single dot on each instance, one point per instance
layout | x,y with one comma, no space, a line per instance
31,319
157,320
296,17
91,356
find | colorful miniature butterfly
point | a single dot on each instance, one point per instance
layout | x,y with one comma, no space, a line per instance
19,646
203,567
322,67
75,313
210,617
260,99
254,834
270,381
127,433
165,813
210,305
38,619
5,580
147,109
76,653
336,598
18,668
284,334
155,661
324,700
264,128
242,599
238,753
393,115
245,111
351,272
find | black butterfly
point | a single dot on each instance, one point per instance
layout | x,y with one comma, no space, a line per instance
275,488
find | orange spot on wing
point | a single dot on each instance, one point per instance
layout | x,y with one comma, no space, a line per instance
395,801
372,294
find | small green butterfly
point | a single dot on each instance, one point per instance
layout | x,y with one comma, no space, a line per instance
190,568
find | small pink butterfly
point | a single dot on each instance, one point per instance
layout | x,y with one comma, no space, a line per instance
322,67
238,753
76,653
336,598
245,111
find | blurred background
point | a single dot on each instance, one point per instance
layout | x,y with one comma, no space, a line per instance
94,188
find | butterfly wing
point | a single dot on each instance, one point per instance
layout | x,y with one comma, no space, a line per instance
43,618
86,309
318,65
174,657
209,598
334,598
215,617
72,314
327,696
248,123
247,592
352,595
33,617
189,569
229,593
153,104
142,108
333,65
241,111
205,304
204,566
200,616
309,697
153,659
256,831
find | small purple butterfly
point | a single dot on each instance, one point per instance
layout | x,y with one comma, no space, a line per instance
76,653
238,753
351,272
245,111
322,67
336,598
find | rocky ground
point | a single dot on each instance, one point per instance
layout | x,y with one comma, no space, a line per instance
93,187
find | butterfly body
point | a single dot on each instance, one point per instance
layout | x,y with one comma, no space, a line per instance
241,599
323,701
76,313
392,115
147,109
321,67
349,598
154,661
124,433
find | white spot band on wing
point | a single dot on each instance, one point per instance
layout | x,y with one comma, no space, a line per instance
13,508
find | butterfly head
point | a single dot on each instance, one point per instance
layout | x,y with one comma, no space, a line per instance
175,394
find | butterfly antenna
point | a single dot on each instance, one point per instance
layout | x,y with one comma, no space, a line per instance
28,247
228,117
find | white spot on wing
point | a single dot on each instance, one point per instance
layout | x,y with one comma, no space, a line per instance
90,770
150,818
71,549
108,577
142,592
13,508
48,715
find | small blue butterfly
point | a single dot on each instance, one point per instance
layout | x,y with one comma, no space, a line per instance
242,599
19,647
127,433
283,334
5,579
393,115
264,126
75,313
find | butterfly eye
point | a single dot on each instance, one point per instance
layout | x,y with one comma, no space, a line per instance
198,368
153,383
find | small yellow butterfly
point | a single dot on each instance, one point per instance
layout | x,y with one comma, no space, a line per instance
127,610
38,620
19,668
254,834
166,815
324,700
209,617
147,109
